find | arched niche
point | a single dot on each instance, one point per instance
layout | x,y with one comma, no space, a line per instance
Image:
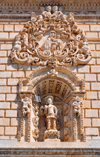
65,91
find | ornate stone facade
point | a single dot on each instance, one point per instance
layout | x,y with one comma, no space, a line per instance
49,79
53,42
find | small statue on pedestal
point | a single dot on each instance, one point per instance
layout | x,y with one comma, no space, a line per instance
50,112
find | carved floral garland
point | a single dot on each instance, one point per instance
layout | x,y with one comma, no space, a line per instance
51,38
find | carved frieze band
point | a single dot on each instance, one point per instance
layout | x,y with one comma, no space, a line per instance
25,8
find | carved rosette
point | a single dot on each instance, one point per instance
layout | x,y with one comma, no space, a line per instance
51,35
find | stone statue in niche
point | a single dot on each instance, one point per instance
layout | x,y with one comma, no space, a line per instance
26,106
50,112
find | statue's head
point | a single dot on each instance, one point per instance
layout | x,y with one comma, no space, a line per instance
54,9
49,99
48,8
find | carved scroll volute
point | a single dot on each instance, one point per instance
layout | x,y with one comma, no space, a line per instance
77,126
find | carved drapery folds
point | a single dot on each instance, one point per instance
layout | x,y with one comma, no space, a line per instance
51,37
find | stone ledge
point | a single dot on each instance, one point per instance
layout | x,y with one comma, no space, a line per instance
12,147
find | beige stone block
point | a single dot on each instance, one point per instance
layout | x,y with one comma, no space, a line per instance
6,46
86,122
96,122
10,130
95,103
11,113
3,60
1,131
95,69
80,76
4,89
83,68
15,105
92,46
87,86
11,97
11,67
2,97
91,35
99,94
14,121
2,67
3,35
28,73
98,47
13,81
95,86
92,131
5,74
8,28
98,77
84,27
1,28
18,27
4,105
2,81
95,27
12,35
1,113
92,61
91,95
95,54
86,104
4,121
3,53
91,113
15,89
90,77
18,74
98,60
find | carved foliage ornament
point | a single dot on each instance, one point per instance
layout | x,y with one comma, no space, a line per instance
51,38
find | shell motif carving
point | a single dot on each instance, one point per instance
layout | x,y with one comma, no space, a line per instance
51,35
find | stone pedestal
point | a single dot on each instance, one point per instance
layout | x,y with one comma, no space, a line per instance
51,134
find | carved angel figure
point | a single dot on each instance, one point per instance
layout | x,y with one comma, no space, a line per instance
26,106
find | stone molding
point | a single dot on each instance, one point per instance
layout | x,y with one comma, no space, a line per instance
77,7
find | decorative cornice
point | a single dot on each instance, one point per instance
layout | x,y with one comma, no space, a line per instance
83,7
49,151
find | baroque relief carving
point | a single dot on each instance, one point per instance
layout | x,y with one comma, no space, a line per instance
51,39
53,42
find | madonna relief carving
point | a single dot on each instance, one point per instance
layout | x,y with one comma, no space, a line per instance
52,105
